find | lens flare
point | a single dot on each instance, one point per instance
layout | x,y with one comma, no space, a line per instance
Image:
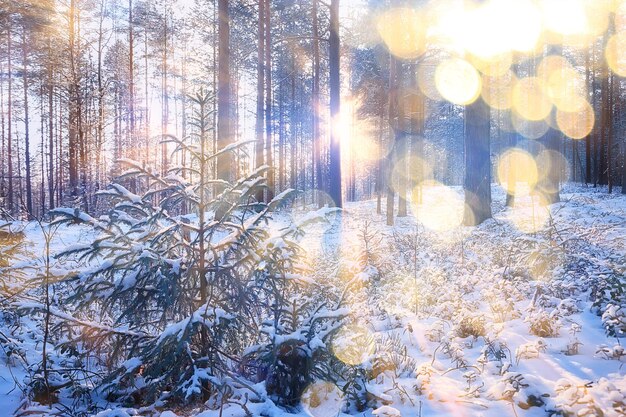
524,26
551,162
530,213
497,92
442,209
530,99
426,79
411,170
577,124
403,31
530,129
615,53
566,89
322,399
500,26
515,166
458,81
353,344
493,66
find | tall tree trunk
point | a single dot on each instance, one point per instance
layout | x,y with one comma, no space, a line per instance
101,103
260,84
335,106
51,170
281,136
623,167
74,105
224,102
393,127
379,162
3,152
477,184
609,133
293,123
133,146
164,97
318,179
27,162
10,123
146,87
269,148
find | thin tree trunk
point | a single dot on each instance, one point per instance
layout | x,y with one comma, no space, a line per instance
318,179
224,104
268,102
259,145
164,97
335,106
27,162
10,123
51,170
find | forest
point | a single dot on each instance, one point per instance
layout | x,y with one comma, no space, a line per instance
315,208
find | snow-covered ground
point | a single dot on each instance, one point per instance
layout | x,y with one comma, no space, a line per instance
501,319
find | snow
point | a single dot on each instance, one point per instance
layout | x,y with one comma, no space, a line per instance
487,321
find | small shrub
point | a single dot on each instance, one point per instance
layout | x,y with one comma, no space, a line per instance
543,324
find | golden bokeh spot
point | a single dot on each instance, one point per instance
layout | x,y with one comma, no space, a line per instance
620,14
458,81
322,399
615,53
524,26
577,124
530,99
442,208
530,129
551,162
550,64
353,344
494,66
403,31
426,79
566,89
497,92
514,166
412,170
576,23
530,213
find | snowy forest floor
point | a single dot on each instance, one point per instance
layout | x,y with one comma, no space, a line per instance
509,318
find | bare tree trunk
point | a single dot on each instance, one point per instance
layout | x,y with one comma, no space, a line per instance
588,138
281,136
10,123
134,149
101,92
335,106
224,100
74,106
379,162
393,117
269,148
3,152
477,183
293,133
318,179
51,170
259,145
164,97
623,167
29,185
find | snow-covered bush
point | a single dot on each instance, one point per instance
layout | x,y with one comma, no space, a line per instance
609,296
543,324
185,279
